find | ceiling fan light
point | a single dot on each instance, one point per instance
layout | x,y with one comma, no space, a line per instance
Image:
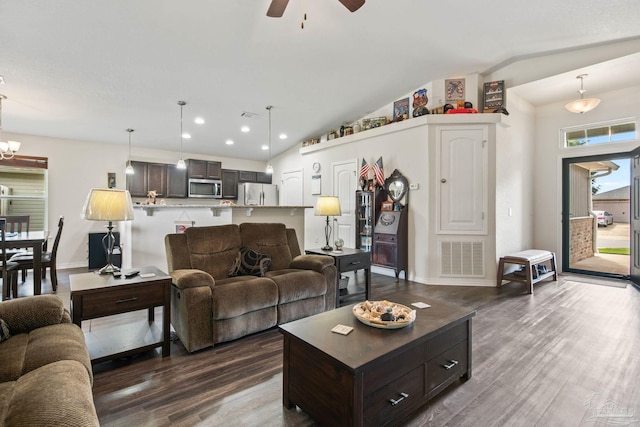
582,106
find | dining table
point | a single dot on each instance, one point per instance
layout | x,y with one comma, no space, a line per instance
33,240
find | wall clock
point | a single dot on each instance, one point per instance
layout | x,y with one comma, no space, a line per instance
316,166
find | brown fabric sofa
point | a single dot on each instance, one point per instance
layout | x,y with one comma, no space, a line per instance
209,306
45,369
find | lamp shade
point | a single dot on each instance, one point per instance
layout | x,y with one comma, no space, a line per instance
582,105
328,206
108,205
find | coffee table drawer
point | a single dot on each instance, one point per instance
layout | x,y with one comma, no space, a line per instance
447,339
450,364
393,368
123,300
397,397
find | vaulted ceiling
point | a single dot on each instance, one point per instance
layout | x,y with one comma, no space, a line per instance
88,70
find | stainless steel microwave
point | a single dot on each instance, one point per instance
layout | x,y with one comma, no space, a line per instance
205,188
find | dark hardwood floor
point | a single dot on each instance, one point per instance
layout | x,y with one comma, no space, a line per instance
561,357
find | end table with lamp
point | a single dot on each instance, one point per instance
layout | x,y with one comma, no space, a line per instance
108,205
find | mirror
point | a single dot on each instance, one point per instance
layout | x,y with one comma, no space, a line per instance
397,186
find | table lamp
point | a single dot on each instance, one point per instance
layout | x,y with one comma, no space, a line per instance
328,206
108,205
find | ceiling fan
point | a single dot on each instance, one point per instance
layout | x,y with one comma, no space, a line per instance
277,7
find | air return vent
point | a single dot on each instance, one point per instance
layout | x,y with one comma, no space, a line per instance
462,259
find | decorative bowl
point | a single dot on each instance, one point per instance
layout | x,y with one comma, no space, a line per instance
369,313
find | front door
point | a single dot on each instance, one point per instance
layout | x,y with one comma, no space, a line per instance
635,216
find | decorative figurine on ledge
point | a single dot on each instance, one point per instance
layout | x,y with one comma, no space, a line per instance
420,101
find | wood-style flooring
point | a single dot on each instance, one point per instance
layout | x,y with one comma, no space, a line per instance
569,355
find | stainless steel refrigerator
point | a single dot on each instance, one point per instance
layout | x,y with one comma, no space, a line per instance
251,194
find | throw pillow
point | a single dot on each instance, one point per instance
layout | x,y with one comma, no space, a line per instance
250,263
4,331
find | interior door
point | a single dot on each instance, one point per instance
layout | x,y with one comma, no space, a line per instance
635,216
291,188
344,186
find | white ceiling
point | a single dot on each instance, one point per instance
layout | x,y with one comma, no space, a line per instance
88,70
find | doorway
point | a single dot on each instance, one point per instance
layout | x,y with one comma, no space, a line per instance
596,225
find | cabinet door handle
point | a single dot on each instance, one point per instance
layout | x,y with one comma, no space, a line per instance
450,365
120,301
394,402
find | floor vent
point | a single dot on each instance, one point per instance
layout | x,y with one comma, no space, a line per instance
462,259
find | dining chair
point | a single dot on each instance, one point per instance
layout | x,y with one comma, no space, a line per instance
16,224
9,268
25,261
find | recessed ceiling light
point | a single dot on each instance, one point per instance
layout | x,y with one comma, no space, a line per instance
229,142
186,135
265,147
199,120
283,136
245,129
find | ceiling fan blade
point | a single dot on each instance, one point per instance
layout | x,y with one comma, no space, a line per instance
352,5
277,7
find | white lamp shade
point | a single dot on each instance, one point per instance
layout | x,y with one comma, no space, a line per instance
582,105
9,146
328,206
108,205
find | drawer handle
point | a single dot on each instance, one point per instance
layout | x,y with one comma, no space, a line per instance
120,301
450,365
394,402
355,263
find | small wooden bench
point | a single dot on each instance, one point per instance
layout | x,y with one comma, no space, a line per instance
530,259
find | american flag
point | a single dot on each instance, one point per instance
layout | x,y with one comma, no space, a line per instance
378,172
364,169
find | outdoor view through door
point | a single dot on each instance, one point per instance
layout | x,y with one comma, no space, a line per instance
599,206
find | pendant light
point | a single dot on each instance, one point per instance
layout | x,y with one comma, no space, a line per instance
181,164
7,149
269,166
583,104
129,170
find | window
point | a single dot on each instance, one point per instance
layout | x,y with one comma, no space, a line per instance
600,134
23,189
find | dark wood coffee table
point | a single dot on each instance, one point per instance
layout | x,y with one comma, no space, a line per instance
374,376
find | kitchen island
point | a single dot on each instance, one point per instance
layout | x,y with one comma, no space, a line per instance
143,238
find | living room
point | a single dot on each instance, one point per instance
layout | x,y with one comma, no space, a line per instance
524,204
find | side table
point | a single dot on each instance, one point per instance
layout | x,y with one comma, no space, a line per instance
94,296
348,260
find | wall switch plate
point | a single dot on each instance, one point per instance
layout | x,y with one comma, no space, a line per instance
414,186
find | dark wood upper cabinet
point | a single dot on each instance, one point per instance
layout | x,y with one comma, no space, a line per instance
230,183
204,169
246,176
157,178
263,177
137,183
176,182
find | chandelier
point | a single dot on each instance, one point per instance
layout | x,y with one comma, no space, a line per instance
7,149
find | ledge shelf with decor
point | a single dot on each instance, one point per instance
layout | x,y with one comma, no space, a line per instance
429,119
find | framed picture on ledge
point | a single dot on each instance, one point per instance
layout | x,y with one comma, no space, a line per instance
401,110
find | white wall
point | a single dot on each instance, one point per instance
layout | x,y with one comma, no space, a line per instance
77,166
549,153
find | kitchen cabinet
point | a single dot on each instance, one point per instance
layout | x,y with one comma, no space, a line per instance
247,176
176,182
264,178
137,183
204,169
157,178
230,179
